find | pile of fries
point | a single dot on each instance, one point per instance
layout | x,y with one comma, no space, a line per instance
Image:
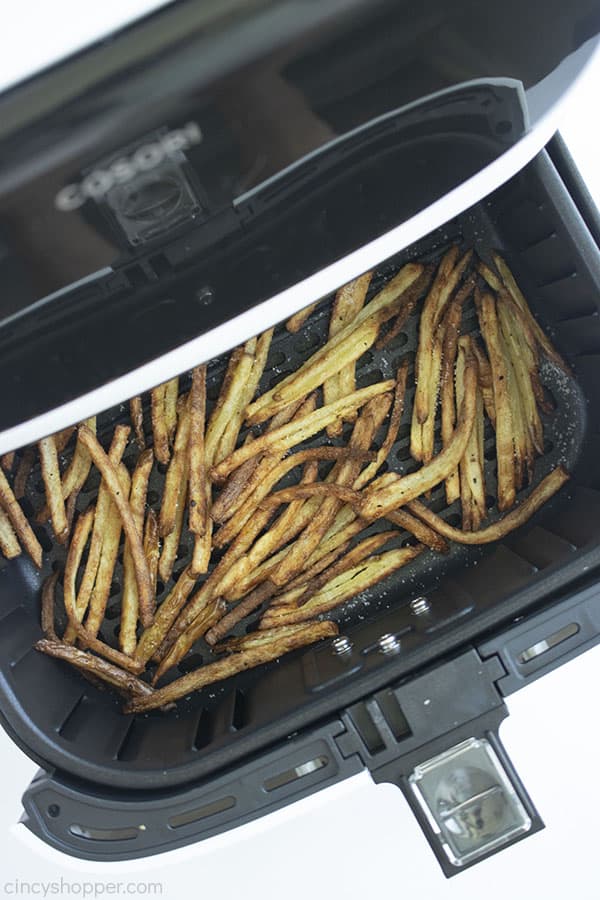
297,552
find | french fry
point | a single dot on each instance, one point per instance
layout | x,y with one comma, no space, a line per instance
75,475
232,390
7,461
52,483
203,621
232,665
117,448
198,474
378,501
472,477
285,437
350,343
392,433
8,540
62,438
341,588
108,560
47,606
348,302
486,381
259,639
295,322
75,612
136,414
410,300
248,605
524,374
129,597
21,526
166,615
171,410
171,542
152,548
425,535
160,430
109,474
202,549
514,519
86,662
178,465
23,472
488,321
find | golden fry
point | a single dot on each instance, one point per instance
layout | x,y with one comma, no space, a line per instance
230,397
171,411
198,474
7,461
23,472
9,545
166,614
204,620
22,528
75,476
52,483
295,322
231,665
47,608
472,477
136,414
129,597
423,533
178,465
171,542
409,301
160,430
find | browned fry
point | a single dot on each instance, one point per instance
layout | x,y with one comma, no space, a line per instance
171,542
75,475
22,474
472,478
423,533
52,483
202,550
348,302
136,413
259,639
108,560
239,370
63,437
235,524
392,433
344,586
299,430
129,597
171,410
198,475
166,614
451,332
248,605
247,391
111,674
178,465
377,501
117,448
7,461
295,322
488,321
518,516
8,540
350,343
231,665
110,476
23,529
160,430
47,608
152,547
409,301
486,381
203,621
75,612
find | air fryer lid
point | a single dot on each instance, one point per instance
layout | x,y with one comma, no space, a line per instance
160,185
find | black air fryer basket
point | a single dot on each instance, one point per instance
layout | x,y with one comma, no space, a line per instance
233,751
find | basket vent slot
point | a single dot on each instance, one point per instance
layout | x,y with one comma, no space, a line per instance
202,812
290,775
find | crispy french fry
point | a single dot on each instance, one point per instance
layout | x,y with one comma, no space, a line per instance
171,410
378,501
136,413
285,437
237,662
75,475
295,322
248,605
392,433
9,545
341,588
7,461
259,639
203,621
488,320
160,430
166,614
129,597
117,448
425,535
108,560
22,474
348,302
106,671
171,542
198,475
514,519
350,343
178,465
62,438
22,528
47,606
109,474
472,476
52,483
486,381
152,548
410,300
230,397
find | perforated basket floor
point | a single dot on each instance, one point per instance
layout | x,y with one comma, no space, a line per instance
82,730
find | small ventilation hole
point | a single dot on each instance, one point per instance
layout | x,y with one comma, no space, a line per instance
201,812
290,775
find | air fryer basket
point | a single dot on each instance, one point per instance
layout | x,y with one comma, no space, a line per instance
62,721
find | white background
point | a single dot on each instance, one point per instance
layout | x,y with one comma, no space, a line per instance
354,840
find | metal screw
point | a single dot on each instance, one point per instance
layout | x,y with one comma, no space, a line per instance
419,606
389,643
341,645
